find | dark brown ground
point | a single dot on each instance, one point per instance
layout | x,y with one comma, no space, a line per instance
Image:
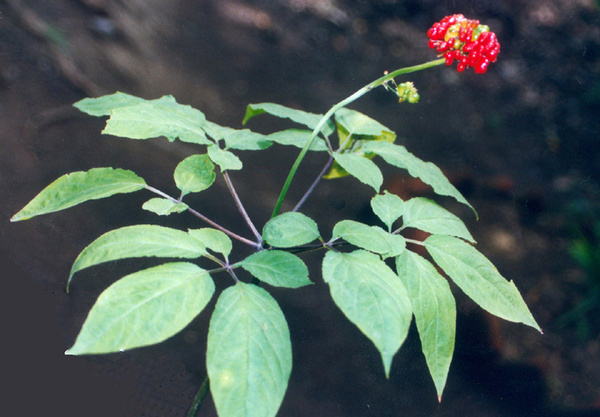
521,142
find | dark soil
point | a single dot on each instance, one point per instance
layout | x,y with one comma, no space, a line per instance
520,142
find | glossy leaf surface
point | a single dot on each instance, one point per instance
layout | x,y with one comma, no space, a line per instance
78,187
479,279
249,354
435,313
144,308
372,297
277,268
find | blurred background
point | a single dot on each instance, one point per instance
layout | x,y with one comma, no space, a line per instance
520,142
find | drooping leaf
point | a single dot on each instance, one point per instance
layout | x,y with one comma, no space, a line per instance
213,239
424,214
427,172
164,207
102,106
277,268
78,187
194,174
479,279
310,120
361,168
388,207
435,313
249,354
225,159
144,308
298,138
138,241
372,297
290,229
155,118
372,238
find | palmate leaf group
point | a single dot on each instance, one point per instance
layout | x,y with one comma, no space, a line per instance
374,278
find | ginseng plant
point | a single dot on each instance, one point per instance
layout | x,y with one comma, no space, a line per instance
376,281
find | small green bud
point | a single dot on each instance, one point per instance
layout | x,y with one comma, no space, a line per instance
407,92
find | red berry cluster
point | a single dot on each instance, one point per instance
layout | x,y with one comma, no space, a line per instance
466,41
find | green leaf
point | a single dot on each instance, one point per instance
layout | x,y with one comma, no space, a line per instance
435,313
225,159
372,297
361,168
479,279
277,268
246,140
298,138
213,239
372,238
144,308
388,207
355,130
78,187
154,118
427,172
290,229
359,124
424,214
194,174
307,119
249,353
164,207
138,241
102,106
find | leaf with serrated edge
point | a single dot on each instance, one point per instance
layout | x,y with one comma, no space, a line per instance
144,308
479,279
277,268
435,313
359,124
164,206
372,297
372,238
290,229
388,207
194,174
249,353
424,214
155,118
361,168
213,239
429,173
78,187
137,241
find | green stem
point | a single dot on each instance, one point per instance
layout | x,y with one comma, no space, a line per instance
380,81
198,399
